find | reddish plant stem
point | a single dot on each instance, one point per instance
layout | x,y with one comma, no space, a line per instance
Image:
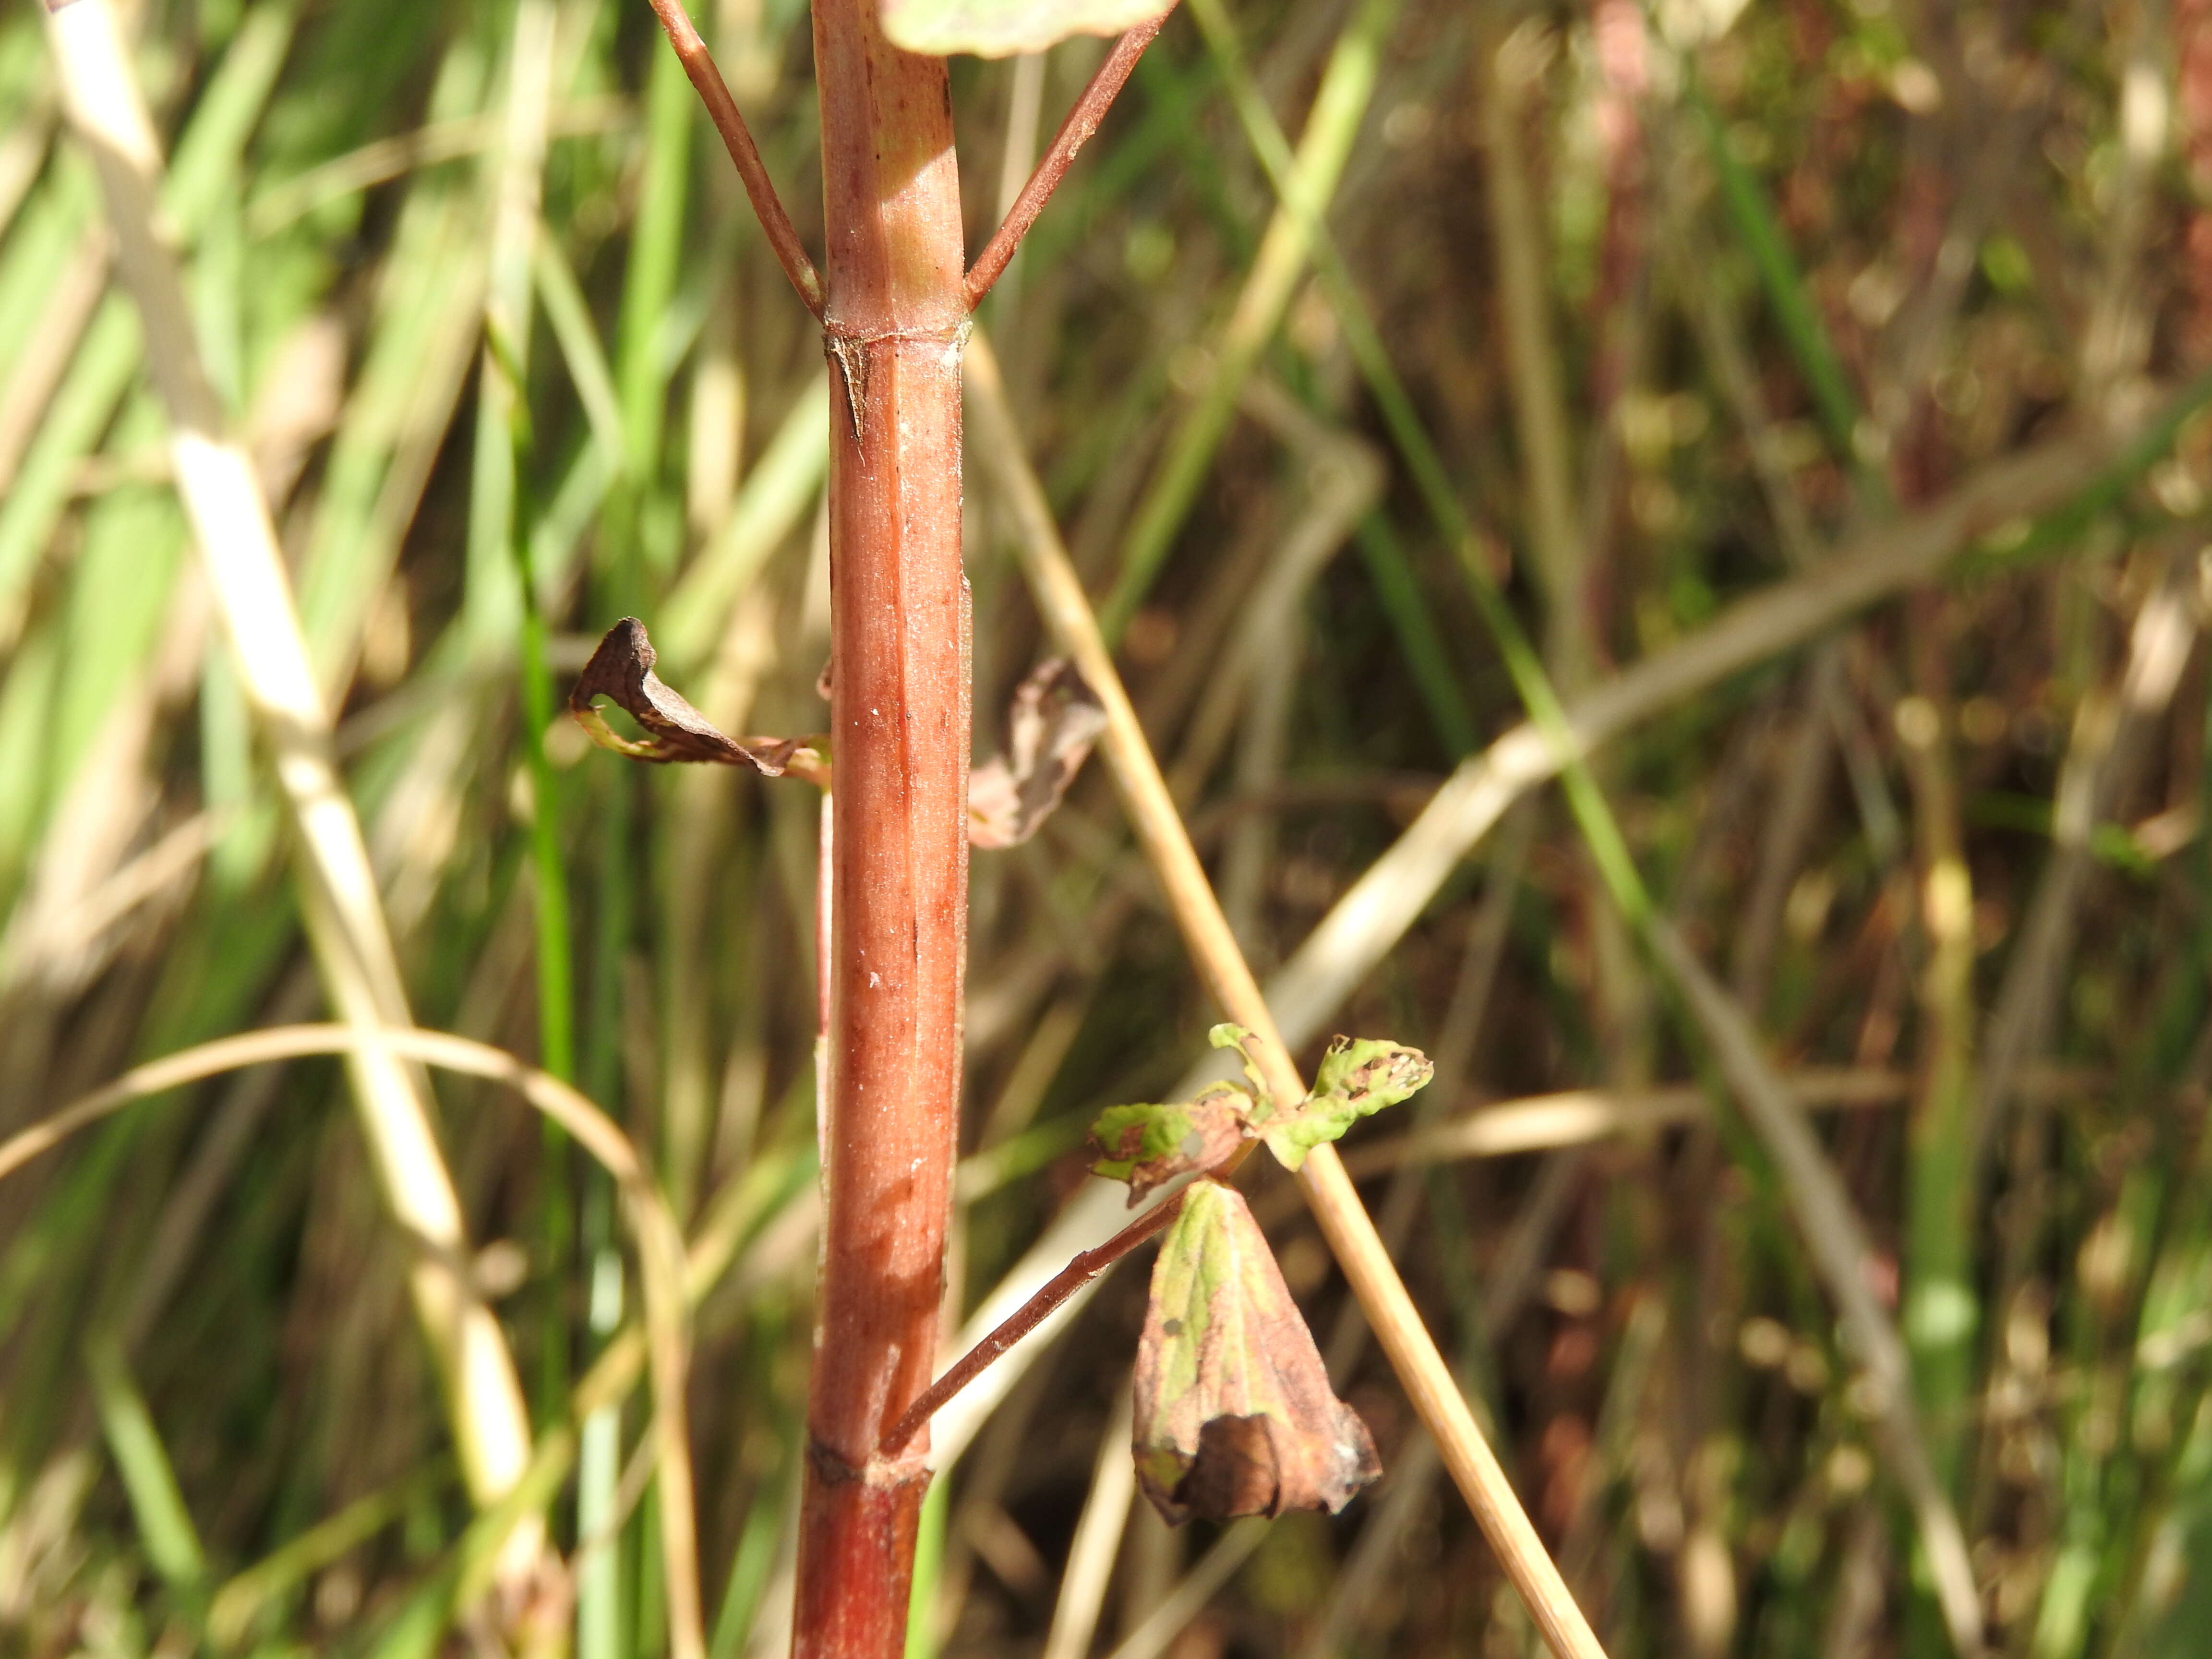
722,109
825,865
825,850
892,906
1026,1318
1074,132
894,322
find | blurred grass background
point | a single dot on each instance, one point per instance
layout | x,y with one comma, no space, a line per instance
1680,298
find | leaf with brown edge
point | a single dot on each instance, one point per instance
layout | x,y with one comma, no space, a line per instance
1148,1146
1358,1076
1234,1414
1055,719
621,670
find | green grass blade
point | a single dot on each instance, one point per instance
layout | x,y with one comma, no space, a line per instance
1418,642
1760,232
1309,179
172,1543
775,495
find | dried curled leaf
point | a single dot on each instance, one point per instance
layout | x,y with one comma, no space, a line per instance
998,28
621,670
1234,1414
1148,1146
1358,1076
1054,720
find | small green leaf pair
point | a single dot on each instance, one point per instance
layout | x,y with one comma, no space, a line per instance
1234,1414
1148,1145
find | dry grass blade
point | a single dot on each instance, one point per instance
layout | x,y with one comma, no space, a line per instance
1575,1118
1511,76
1845,1261
1409,382
1059,595
388,158
663,1263
32,384
2109,746
1097,1540
1198,1587
1364,924
231,522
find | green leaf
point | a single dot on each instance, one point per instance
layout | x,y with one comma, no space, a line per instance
1358,1076
1229,1036
1370,1072
1000,28
1233,1412
1150,1146
149,1480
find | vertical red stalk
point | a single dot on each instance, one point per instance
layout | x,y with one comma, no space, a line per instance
893,320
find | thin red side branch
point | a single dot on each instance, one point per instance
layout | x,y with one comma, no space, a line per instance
1026,1318
1074,132
722,109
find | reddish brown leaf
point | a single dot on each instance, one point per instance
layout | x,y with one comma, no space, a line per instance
621,670
1234,1413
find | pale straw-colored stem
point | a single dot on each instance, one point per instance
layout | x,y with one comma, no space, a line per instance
230,521
1512,70
1344,1221
1097,1540
1195,1588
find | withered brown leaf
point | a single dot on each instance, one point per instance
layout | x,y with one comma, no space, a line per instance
1055,718
621,670
1234,1414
